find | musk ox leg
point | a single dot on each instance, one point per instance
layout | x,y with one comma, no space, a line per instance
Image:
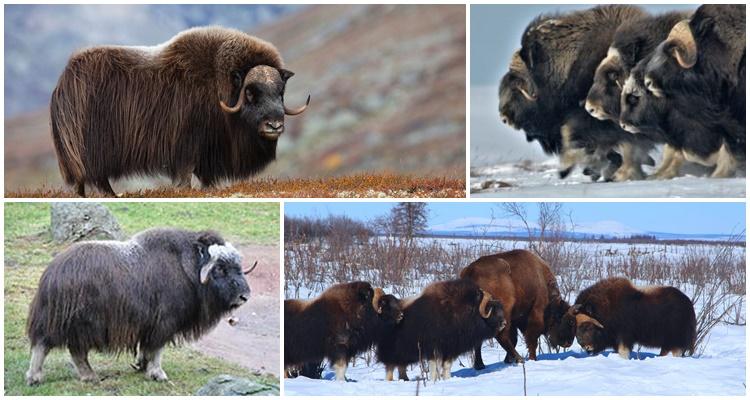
726,164
103,185
81,362
447,365
534,329
183,180
35,375
623,350
678,353
433,367
340,367
81,189
389,372
670,164
402,373
153,365
630,168
508,338
478,362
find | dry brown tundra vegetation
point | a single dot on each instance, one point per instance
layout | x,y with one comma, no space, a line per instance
319,252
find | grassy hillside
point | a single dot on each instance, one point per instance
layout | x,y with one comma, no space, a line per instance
28,250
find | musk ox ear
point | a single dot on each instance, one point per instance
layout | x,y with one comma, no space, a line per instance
285,74
681,45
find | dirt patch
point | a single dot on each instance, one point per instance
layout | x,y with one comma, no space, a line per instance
254,341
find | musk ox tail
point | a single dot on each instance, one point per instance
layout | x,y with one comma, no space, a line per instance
67,107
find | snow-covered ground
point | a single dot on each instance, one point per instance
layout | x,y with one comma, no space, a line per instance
540,179
719,371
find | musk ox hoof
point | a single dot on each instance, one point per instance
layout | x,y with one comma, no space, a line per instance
479,366
565,172
33,378
158,375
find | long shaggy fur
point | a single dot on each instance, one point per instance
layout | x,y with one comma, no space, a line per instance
661,317
115,296
531,300
118,111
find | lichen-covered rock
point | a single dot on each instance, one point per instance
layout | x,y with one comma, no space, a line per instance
227,385
72,222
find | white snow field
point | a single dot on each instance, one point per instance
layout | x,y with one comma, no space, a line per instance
719,371
500,156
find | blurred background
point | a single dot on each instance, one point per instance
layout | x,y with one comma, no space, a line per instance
387,81
495,34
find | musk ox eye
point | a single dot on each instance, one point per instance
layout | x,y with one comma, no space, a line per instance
249,94
236,79
613,75
632,99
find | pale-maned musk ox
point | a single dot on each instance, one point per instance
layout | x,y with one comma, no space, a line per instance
345,320
614,314
527,289
632,42
208,102
448,318
702,60
159,287
560,54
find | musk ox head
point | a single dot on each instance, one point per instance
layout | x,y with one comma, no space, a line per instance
221,273
677,53
260,99
641,109
560,330
388,307
603,98
590,334
517,94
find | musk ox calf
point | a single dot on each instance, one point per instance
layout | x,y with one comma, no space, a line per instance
342,322
208,102
447,319
614,314
161,286
531,301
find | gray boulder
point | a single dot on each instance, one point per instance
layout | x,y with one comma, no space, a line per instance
227,385
72,222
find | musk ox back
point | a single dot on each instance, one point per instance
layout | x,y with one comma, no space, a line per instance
614,314
342,322
208,102
448,319
531,300
161,286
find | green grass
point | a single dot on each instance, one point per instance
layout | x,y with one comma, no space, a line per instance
28,250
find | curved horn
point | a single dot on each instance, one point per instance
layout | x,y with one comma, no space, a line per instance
205,271
297,111
685,50
526,94
376,298
483,311
249,270
581,318
240,100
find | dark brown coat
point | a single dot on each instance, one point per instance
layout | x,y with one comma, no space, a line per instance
531,300
119,111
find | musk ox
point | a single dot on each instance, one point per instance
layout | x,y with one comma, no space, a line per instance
527,289
208,102
633,41
343,321
448,319
694,127
560,54
614,314
703,58
161,286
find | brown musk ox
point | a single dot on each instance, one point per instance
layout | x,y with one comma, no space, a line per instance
447,319
209,102
531,300
615,314
342,322
161,286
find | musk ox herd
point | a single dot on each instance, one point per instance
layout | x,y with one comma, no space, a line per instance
602,87
209,102
162,286
495,297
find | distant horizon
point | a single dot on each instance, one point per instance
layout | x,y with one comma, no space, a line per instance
590,218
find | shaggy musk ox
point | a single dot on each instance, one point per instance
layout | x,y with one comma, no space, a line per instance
161,286
528,292
559,54
208,102
342,322
614,314
448,319
704,57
